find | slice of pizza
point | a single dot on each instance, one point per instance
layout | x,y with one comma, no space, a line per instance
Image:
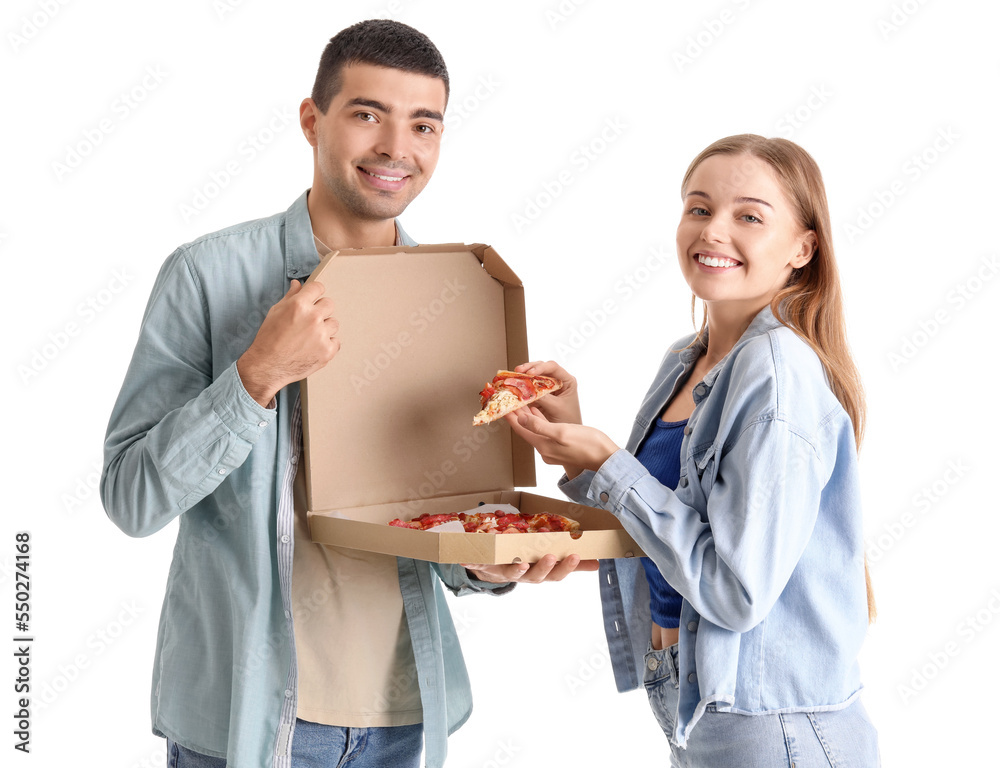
424,521
494,522
509,391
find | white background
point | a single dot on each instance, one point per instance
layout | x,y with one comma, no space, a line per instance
174,92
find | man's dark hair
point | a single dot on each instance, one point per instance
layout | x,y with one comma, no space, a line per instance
382,42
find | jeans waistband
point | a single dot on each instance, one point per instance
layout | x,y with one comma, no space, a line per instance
660,665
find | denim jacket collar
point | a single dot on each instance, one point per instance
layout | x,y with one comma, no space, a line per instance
763,322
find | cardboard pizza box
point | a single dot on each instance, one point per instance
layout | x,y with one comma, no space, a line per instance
387,425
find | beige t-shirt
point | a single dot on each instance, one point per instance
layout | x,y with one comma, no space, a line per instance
352,644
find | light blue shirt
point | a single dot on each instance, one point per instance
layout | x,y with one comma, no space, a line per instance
186,441
762,538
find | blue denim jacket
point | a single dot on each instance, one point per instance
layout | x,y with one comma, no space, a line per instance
762,538
186,441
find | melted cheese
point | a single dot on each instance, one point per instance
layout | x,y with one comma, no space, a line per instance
504,400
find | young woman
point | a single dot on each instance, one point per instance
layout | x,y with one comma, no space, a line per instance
740,483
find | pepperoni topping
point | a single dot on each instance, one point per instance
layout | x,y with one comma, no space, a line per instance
486,394
437,519
523,388
489,522
402,524
515,521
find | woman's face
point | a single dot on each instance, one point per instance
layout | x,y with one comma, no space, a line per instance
738,239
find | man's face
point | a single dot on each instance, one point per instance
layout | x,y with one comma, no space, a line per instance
378,143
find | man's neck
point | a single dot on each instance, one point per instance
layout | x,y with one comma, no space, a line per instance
336,230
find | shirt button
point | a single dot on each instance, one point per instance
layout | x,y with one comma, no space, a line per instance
262,424
692,677
288,694
692,626
687,430
700,390
285,539
604,496
288,614
683,482
652,664
222,471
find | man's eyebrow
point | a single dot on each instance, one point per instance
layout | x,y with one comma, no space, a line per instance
738,199
428,114
370,103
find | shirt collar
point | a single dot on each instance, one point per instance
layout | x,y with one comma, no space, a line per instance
763,322
302,251
322,249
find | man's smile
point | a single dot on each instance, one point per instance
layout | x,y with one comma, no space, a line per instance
383,179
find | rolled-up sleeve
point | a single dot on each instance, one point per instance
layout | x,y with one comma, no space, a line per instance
460,582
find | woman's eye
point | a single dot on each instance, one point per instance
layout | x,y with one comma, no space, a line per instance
698,211
751,218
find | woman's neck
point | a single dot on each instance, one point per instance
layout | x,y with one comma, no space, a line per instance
726,324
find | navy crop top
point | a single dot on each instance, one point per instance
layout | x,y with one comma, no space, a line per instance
660,454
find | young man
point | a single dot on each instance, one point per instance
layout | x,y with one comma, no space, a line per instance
272,650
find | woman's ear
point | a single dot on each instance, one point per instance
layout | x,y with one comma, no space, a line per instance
807,250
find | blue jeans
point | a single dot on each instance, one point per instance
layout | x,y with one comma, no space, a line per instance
844,737
330,746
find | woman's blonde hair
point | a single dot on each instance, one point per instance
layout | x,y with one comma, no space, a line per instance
811,303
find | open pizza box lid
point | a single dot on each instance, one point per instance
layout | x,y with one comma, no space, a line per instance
387,425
